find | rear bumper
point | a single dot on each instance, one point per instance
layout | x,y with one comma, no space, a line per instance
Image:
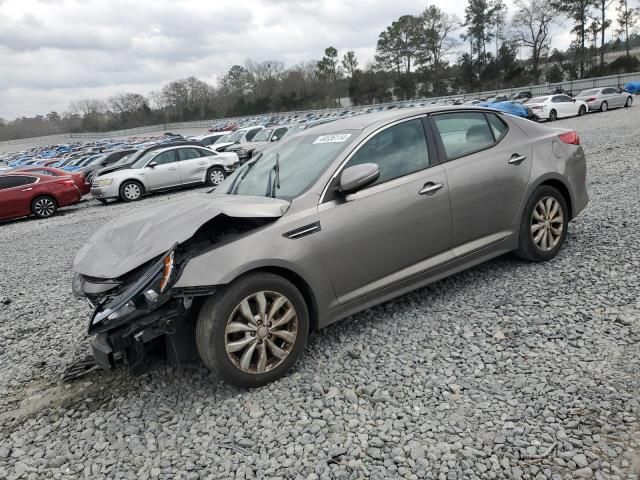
70,197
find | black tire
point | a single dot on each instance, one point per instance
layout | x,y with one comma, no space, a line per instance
604,106
582,110
218,309
528,249
629,102
553,116
129,192
44,206
215,176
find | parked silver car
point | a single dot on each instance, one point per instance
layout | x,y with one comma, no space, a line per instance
165,168
602,99
324,224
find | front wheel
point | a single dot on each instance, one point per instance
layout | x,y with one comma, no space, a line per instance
553,116
543,227
43,207
130,191
582,110
604,106
252,331
629,102
215,176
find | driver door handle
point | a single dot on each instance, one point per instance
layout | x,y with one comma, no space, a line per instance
517,159
27,189
172,168
430,188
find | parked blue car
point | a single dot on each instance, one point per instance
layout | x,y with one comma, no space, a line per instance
513,108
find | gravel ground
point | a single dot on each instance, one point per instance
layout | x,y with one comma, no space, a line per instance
509,370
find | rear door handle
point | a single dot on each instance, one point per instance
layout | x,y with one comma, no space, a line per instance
202,163
430,188
172,168
27,189
517,159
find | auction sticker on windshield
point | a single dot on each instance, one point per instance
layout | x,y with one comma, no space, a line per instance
336,138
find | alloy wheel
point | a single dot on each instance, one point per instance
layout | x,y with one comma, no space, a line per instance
261,332
44,207
216,177
132,191
604,107
547,222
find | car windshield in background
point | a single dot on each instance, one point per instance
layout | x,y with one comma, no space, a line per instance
232,137
537,100
299,160
588,93
95,160
262,135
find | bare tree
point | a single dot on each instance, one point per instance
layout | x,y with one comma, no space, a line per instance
531,24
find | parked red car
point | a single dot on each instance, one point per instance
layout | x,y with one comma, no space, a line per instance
77,177
22,195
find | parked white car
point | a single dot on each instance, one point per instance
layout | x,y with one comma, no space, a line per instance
242,135
210,138
163,169
552,107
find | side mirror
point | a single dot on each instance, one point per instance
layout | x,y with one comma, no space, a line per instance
358,177
574,100
152,164
275,138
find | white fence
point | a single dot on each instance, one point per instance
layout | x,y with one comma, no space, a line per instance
569,86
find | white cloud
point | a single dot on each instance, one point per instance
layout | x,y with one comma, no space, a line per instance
53,51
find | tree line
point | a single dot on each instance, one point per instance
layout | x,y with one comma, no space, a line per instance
431,53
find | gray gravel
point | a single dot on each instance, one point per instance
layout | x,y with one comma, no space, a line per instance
509,370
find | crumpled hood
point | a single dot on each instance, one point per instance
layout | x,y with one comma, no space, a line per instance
131,240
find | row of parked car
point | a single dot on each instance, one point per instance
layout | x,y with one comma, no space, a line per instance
40,180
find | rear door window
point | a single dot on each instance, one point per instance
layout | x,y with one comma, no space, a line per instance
10,181
188,154
463,133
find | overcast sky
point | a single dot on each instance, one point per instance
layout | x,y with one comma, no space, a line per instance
54,51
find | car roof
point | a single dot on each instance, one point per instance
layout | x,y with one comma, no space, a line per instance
375,119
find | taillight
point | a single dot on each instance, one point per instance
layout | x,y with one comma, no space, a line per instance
571,138
590,99
67,182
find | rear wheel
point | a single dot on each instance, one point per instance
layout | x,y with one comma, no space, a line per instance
44,207
604,106
629,102
215,176
130,191
543,227
553,116
252,331
582,110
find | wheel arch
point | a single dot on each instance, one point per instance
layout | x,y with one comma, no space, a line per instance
299,282
563,189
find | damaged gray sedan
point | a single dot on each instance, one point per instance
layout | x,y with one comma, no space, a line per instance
320,226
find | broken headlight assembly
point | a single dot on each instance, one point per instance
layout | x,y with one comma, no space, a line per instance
151,290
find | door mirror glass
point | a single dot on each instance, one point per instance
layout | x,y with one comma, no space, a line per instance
152,164
358,177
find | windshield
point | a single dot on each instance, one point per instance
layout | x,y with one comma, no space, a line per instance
263,135
93,160
300,161
233,137
587,93
142,161
538,100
